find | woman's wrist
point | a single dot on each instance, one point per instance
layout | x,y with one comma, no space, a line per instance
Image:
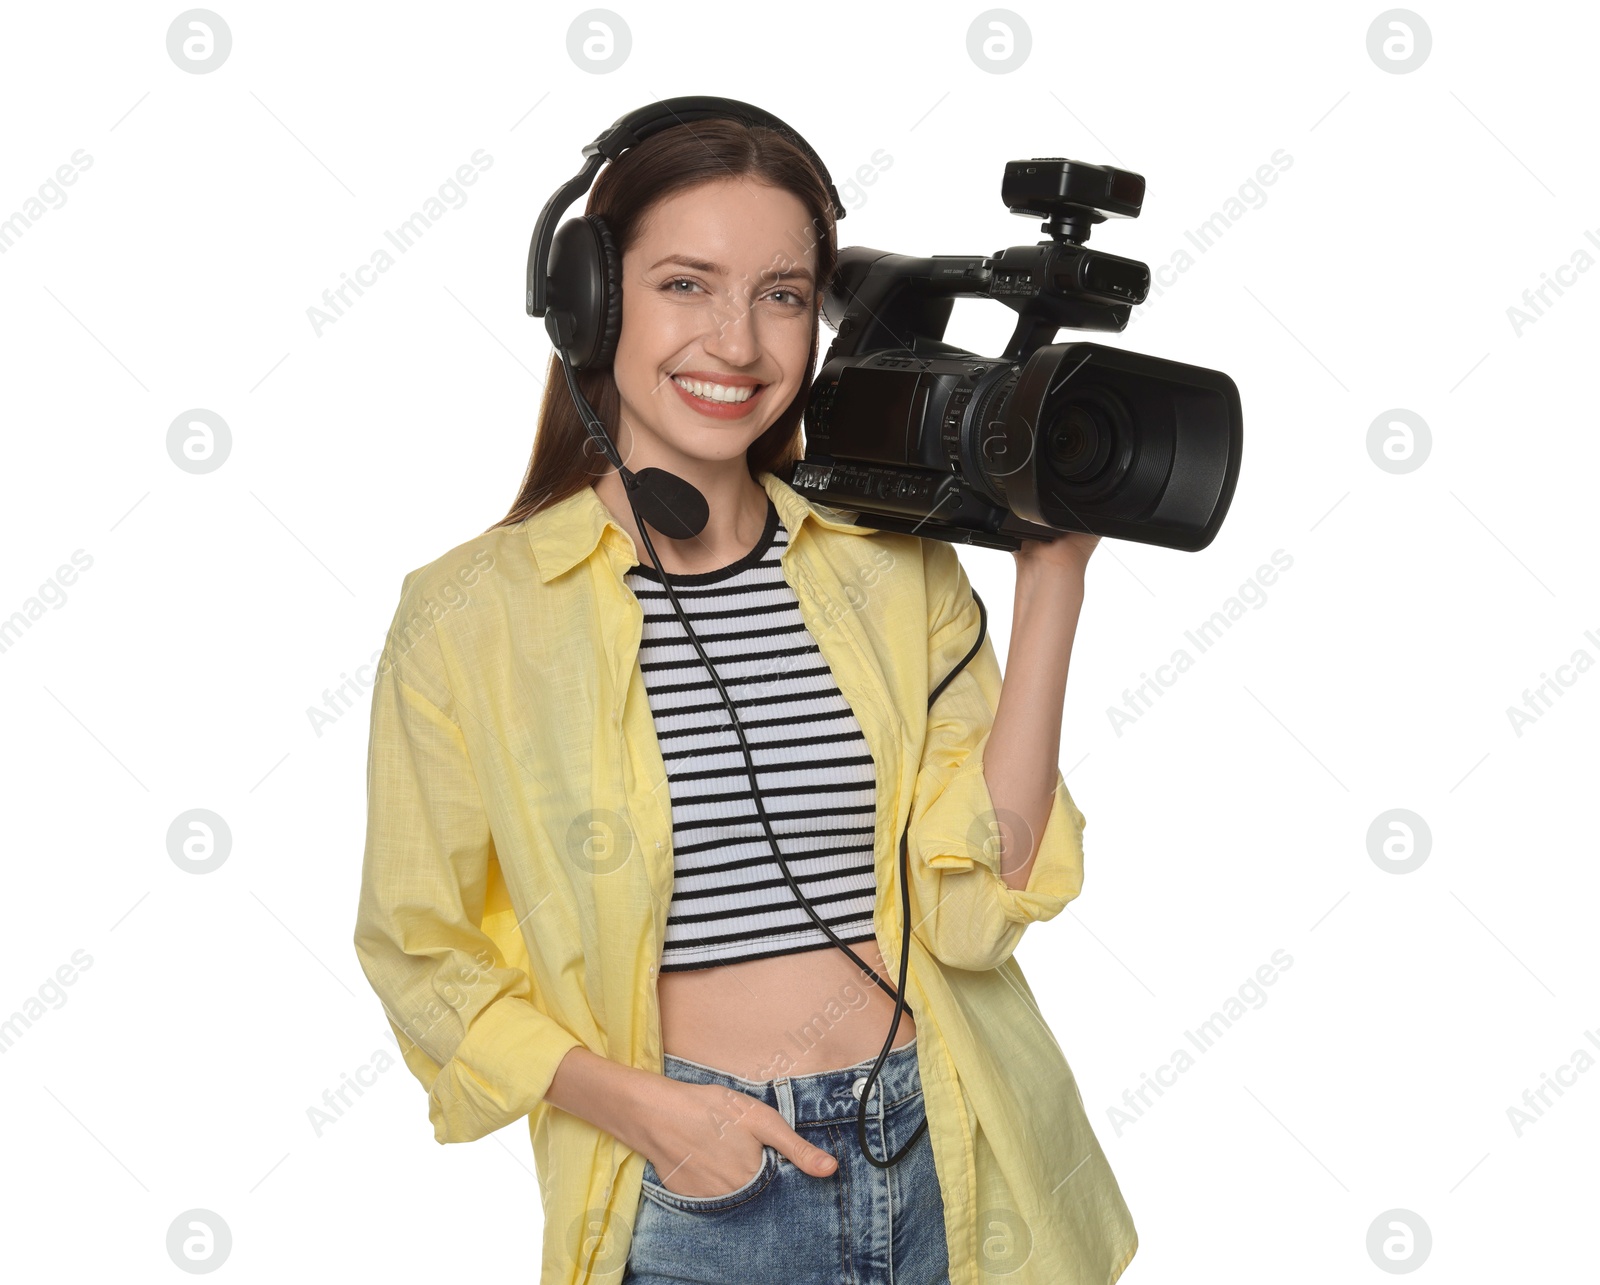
619,1099
1055,591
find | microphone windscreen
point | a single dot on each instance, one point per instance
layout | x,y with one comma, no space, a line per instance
671,505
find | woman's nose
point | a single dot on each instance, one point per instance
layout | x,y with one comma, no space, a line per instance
733,333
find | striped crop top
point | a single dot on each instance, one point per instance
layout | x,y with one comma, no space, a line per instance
730,900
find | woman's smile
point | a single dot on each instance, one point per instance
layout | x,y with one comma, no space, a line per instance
718,401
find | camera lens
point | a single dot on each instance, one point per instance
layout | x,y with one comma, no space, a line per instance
1078,442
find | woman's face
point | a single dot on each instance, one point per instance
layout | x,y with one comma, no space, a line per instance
718,288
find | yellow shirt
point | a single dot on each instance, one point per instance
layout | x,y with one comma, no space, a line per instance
518,871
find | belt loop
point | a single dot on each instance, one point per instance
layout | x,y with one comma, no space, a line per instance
785,1092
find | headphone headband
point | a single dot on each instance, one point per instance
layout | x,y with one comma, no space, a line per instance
630,130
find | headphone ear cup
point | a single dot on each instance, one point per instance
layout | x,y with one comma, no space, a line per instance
610,294
585,285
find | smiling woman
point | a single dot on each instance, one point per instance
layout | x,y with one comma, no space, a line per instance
720,1084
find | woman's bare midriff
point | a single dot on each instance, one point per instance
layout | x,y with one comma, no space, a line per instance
790,1015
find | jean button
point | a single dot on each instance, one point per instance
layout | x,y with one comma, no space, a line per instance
857,1087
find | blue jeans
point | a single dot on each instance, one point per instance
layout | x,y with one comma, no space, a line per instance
860,1225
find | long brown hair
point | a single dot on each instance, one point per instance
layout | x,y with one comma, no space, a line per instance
564,460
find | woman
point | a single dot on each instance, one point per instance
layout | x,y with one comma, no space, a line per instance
569,905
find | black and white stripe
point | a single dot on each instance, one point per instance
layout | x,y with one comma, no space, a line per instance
730,900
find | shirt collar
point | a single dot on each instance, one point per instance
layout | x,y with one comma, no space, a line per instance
569,531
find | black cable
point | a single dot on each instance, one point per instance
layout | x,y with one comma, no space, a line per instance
898,993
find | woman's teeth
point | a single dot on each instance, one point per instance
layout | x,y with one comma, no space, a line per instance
714,392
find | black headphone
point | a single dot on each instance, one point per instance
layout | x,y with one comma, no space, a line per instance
575,284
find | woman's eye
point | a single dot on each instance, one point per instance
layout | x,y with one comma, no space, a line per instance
795,298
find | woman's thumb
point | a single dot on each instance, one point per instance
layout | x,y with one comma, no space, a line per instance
814,1160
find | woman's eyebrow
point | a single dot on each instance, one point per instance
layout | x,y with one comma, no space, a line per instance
701,265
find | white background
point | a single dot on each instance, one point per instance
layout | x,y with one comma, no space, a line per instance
1229,821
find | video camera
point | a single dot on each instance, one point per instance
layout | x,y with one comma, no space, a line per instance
918,436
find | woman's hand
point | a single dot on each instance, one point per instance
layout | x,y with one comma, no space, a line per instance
706,1140
1067,555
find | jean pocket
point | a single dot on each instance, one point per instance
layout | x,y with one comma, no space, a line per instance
912,1105
712,1204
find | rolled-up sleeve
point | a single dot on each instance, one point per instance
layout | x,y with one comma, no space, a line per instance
464,1020
963,911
